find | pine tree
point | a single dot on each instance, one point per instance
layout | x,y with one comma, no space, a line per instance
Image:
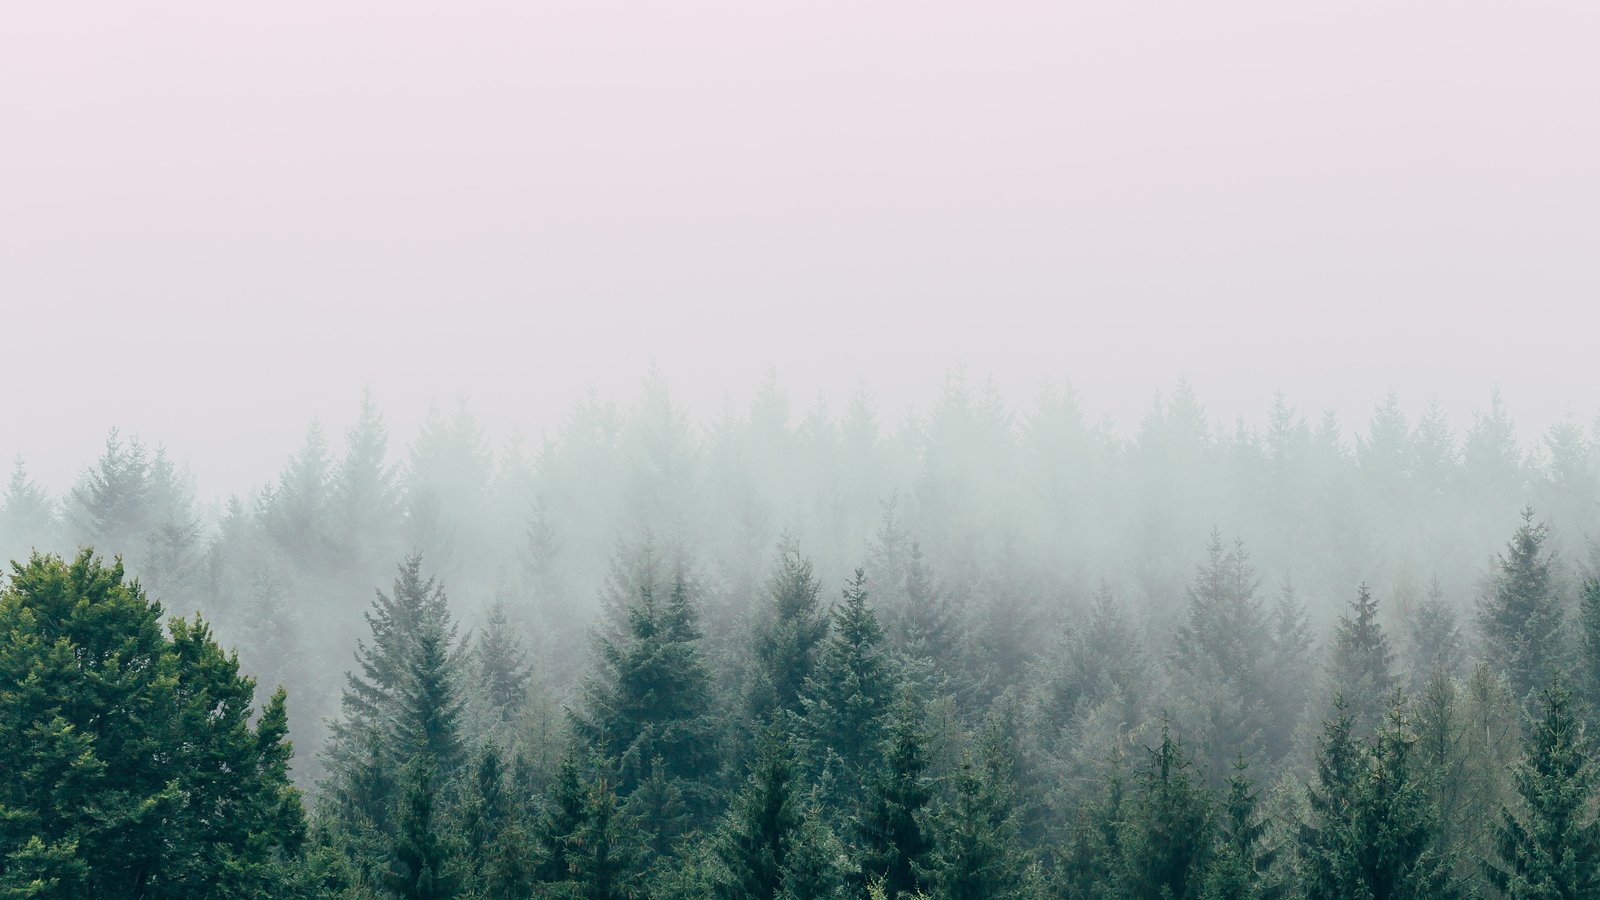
786,648
1434,637
1362,663
501,674
29,520
1551,847
650,697
978,841
563,816
1521,619
847,696
132,765
1170,841
1373,832
754,841
894,839
1241,858
1589,642
419,861
495,847
427,713
1222,659
602,854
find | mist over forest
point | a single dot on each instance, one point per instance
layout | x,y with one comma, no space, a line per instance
984,614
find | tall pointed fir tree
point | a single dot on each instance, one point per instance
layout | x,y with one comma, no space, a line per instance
1242,860
847,696
1221,662
978,851
501,672
1361,666
753,843
1169,844
132,764
895,842
786,646
1521,618
1550,847
402,698
420,864
649,699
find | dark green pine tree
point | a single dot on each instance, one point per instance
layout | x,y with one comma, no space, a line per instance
754,841
1551,847
1170,835
420,863
1361,667
501,672
786,646
847,696
1241,859
562,817
813,866
650,698
427,715
1222,660
1092,862
603,854
1521,619
895,844
370,702
496,848
1589,642
978,843
132,767
1374,831
1330,840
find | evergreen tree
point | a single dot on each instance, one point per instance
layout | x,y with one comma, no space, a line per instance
427,712
1589,642
1221,661
1521,618
786,647
602,853
1373,832
495,847
419,861
753,844
848,695
1551,847
650,696
978,843
501,672
1361,666
29,520
1241,859
1434,637
895,844
562,818
132,766
1170,841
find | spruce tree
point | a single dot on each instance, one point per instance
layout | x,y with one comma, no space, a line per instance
562,817
1589,642
754,841
1170,841
1241,859
850,692
786,647
426,718
1550,847
420,864
502,672
132,765
978,843
1521,619
895,844
603,854
1361,667
649,700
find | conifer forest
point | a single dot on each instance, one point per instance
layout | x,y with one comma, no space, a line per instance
753,450
989,650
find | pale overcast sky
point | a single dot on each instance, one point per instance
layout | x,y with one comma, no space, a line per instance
218,220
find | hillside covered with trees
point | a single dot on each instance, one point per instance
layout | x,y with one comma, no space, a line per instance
973,651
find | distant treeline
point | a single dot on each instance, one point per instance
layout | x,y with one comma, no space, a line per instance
983,653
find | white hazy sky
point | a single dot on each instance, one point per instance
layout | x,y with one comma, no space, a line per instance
218,220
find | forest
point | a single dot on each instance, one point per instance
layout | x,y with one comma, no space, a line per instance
982,649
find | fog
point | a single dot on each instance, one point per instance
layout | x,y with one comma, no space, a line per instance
218,223
1061,436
